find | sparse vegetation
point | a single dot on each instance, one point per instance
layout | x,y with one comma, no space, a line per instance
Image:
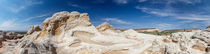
159,33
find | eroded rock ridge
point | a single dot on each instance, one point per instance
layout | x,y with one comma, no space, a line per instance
73,33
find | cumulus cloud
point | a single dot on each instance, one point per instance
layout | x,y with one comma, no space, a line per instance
116,21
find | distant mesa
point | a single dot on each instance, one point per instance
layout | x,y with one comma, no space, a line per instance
182,30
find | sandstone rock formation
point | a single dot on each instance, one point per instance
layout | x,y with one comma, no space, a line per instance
208,28
105,26
33,29
148,30
73,33
7,36
107,29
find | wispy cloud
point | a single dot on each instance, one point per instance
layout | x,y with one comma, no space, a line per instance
34,17
190,15
121,1
186,21
98,1
13,25
142,0
17,7
172,13
169,11
8,24
116,21
159,12
73,4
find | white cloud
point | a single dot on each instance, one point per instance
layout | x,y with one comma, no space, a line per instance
191,1
166,12
193,18
172,13
13,25
121,1
73,4
116,21
8,23
34,17
142,0
169,11
187,21
19,6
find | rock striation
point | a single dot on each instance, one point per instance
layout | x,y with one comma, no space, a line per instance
72,33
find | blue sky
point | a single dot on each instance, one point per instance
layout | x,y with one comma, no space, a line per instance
19,15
